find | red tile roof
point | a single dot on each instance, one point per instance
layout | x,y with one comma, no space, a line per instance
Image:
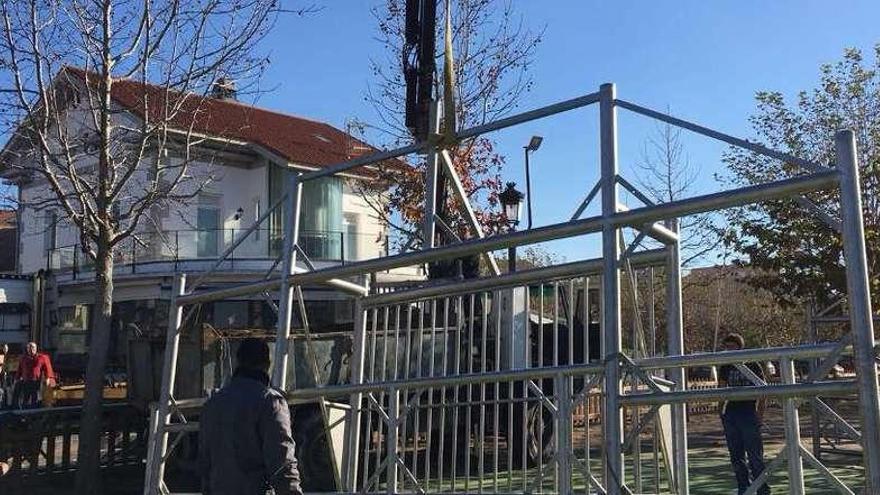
296,139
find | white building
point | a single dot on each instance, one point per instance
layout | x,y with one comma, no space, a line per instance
251,151
15,302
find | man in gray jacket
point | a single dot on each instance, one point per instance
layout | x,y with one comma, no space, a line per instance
246,442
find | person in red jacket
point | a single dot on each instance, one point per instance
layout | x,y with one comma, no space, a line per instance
32,369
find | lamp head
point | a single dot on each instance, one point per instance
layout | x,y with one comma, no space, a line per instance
535,143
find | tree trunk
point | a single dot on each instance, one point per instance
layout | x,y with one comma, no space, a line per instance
88,479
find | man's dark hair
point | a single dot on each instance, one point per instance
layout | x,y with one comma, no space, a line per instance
253,353
736,339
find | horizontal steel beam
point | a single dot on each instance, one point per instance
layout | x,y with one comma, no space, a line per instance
268,285
742,143
513,120
364,161
539,113
728,199
189,426
805,351
308,394
842,387
514,279
689,360
639,216
447,381
412,258
655,230
61,410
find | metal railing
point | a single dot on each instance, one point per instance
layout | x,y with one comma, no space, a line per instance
206,244
43,442
473,437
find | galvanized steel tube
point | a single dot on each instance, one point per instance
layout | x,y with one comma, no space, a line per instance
859,300
675,340
612,418
698,204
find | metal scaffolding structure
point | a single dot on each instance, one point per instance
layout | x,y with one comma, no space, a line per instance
450,371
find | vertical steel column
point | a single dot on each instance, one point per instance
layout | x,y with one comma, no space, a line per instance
352,431
859,299
564,446
792,433
391,440
166,393
151,445
652,319
675,339
652,323
813,338
637,340
285,293
612,418
431,170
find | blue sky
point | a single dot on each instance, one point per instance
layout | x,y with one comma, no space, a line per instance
704,60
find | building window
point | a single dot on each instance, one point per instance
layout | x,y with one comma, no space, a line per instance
350,238
320,227
207,224
321,218
73,318
257,213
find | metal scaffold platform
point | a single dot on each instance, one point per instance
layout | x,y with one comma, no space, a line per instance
459,387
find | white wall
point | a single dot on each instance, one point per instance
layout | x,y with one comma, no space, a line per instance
370,239
14,326
231,188
34,197
33,230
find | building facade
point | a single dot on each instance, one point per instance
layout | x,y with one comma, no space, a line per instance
252,152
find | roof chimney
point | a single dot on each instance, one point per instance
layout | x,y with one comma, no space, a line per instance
224,89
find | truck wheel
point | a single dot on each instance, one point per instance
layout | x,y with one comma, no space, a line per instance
539,439
542,435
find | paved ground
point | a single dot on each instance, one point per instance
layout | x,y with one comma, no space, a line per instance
710,471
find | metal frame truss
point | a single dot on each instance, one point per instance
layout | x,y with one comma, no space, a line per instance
389,395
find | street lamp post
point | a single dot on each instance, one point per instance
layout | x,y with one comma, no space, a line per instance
533,145
511,200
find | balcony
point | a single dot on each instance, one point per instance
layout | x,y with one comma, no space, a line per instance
197,249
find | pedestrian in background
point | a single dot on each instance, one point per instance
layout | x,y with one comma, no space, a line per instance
33,368
742,421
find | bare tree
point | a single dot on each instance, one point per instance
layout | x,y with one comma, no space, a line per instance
109,148
668,175
665,174
719,300
493,51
